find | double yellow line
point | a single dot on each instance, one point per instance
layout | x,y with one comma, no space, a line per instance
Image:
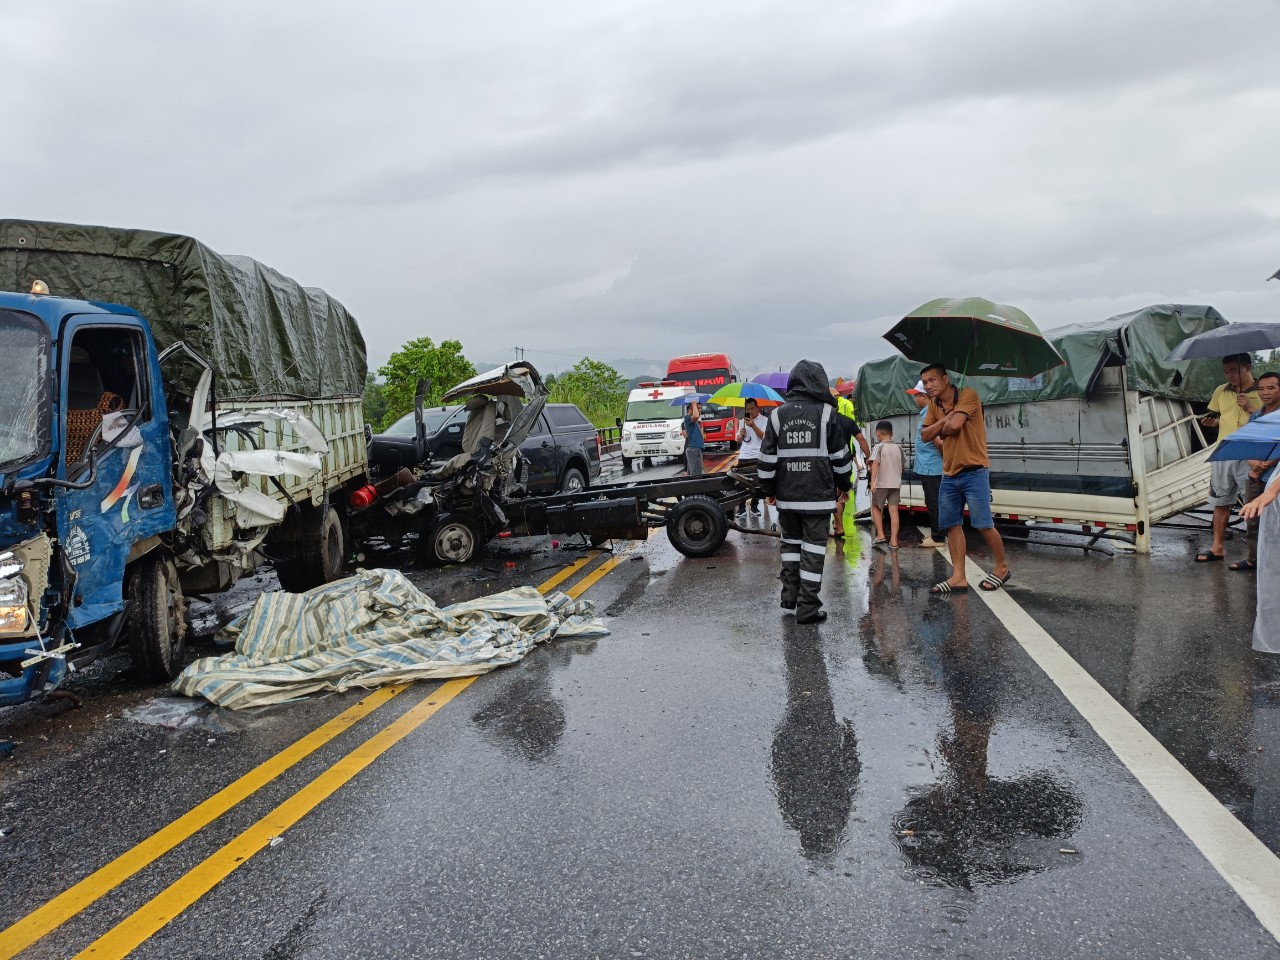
186,890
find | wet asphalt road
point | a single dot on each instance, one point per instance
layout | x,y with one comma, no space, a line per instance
711,780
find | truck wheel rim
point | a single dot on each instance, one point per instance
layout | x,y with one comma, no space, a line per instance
695,528
454,541
573,484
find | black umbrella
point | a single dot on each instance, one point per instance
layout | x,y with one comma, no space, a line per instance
1227,341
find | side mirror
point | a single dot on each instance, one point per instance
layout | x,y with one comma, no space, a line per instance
368,433
618,421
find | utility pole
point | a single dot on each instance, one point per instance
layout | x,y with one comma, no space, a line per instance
519,352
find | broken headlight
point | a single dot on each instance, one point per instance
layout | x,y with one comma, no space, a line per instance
13,605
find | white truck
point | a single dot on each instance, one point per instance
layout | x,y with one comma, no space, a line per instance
1106,446
651,425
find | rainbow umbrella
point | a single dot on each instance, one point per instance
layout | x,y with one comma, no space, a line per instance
737,395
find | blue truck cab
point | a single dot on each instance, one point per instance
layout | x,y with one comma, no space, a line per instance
86,494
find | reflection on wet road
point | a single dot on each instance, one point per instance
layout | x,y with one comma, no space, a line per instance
815,761
971,828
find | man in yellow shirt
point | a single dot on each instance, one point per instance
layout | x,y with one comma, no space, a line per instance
1229,409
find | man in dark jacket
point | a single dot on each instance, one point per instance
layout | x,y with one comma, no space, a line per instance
804,460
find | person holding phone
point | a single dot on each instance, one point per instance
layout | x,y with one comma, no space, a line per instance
1230,408
691,430
750,434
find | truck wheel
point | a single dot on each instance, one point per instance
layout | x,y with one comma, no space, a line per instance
452,538
697,526
626,464
320,559
157,624
574,481
733,446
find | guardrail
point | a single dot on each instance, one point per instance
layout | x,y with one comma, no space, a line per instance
610,439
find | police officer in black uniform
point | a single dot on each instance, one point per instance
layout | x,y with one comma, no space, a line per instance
804,459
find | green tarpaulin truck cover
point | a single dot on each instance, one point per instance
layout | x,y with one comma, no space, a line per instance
266,334
1139,340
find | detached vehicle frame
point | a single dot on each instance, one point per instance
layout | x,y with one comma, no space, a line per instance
453,509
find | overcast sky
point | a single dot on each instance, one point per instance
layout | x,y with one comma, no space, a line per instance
644,178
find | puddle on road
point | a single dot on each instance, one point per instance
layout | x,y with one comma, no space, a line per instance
993,831
526,718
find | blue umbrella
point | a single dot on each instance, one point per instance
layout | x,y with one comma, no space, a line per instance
1256,440
777,380
689,398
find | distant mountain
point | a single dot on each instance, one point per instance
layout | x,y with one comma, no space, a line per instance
626,365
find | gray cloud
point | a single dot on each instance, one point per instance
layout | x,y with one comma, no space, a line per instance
643,178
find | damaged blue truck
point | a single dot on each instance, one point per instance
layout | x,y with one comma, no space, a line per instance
171,419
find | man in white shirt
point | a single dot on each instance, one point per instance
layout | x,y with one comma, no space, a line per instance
750,434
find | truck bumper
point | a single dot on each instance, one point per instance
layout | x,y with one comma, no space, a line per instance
21,684
667,448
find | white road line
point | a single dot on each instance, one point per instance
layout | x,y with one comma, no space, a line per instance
1243,860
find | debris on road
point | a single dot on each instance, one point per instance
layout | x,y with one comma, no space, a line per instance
372,629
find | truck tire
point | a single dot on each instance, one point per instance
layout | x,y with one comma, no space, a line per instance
451,538
319,559
733,446
626,464
157,626
573,481
697,526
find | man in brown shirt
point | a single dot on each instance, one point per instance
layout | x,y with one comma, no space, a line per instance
955,416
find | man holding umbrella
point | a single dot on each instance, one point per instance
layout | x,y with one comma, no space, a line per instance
804,460
955,416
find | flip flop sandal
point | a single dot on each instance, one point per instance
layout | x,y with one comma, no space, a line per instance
992,582
944,588
1245,565
1209,557
878,540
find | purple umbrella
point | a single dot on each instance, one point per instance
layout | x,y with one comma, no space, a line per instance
777,380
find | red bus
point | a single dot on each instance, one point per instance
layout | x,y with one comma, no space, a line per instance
707,373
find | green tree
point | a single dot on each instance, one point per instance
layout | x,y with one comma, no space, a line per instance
375,402
599,391
444,366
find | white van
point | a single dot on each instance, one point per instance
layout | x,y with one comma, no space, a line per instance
651,425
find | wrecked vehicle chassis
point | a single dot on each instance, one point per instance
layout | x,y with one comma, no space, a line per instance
697,513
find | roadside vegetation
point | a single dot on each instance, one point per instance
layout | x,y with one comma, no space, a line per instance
597,389
388,400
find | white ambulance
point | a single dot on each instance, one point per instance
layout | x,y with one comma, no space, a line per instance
651,425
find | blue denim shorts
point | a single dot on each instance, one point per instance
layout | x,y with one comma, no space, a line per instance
972,487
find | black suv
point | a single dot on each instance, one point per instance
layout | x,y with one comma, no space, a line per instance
562,449
397,446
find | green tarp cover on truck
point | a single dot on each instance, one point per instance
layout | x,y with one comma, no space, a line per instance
266,334
1139,340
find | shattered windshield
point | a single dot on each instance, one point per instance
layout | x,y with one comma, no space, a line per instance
24,399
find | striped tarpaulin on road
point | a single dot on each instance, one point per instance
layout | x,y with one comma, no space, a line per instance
376,628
